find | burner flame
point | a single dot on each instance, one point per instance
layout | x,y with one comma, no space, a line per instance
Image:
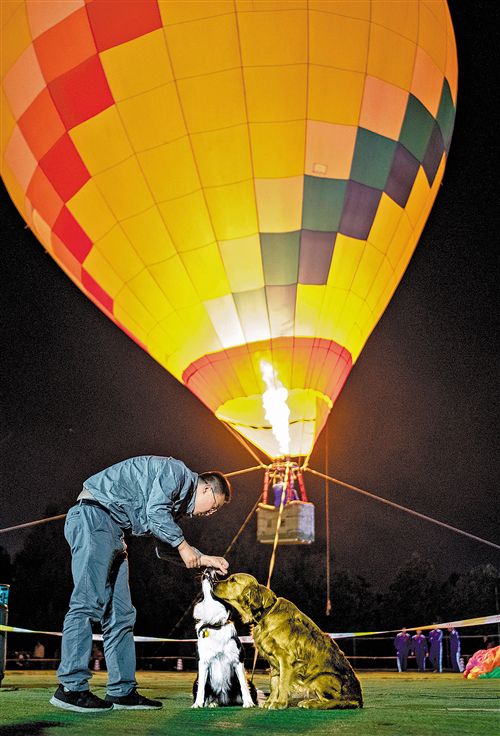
277,411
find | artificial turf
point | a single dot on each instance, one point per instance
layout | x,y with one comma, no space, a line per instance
395,704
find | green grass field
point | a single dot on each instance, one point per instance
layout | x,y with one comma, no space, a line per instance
404,704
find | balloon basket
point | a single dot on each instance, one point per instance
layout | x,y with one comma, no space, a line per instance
297,523
284,484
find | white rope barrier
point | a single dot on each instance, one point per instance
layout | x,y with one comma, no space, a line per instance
478,621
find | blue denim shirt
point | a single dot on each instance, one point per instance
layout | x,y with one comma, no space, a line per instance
147,495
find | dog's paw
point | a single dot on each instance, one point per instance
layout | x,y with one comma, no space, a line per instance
249,704
314,704
261,698
197,705
276,704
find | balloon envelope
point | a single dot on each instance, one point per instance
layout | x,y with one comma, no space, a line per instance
232,182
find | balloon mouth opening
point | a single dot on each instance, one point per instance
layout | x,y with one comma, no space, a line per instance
308,412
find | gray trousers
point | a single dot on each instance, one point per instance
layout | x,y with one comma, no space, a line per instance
101,594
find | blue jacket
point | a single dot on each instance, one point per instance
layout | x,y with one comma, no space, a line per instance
147,495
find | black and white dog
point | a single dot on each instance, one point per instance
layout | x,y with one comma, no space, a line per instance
221,675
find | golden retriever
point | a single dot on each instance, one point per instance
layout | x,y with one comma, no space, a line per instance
301,656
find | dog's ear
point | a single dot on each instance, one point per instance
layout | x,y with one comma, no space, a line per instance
251,597
267,596
258,597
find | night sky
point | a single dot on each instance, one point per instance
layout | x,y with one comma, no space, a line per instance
416,421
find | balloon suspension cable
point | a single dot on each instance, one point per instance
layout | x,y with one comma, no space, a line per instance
63,516
241,472
275,541
278,524
305,464
226,552
403,508
32,523
242,527
327,528
243,442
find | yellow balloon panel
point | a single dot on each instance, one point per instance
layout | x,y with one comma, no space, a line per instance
102,141
137,66
233,183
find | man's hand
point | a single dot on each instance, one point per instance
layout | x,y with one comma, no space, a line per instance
219,563
190,556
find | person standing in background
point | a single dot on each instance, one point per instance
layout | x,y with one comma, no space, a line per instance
436,649
402,643
39,654
420,649
487,642
454,638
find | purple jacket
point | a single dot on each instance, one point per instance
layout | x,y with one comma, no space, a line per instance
402,643
435,639
419,644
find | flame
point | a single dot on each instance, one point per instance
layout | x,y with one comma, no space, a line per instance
276,409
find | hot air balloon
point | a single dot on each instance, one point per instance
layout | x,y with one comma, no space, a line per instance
239,186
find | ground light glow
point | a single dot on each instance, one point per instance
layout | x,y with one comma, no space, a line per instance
277,411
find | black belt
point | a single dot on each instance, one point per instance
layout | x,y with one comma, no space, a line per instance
91,502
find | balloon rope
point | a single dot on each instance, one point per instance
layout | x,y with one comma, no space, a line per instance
278,525
242,527
241,440
305,464
240,472
31,523
327,525
403,508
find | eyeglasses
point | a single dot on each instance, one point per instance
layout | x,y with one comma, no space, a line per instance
214,508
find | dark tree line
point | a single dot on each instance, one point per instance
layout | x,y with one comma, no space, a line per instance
40,578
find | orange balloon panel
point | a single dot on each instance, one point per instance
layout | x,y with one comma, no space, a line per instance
233,183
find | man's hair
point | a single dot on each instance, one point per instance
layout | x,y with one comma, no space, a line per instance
218,482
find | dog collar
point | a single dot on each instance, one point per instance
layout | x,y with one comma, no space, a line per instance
204,630
259,614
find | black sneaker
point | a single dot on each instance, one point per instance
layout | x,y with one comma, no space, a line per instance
80,702
133,701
